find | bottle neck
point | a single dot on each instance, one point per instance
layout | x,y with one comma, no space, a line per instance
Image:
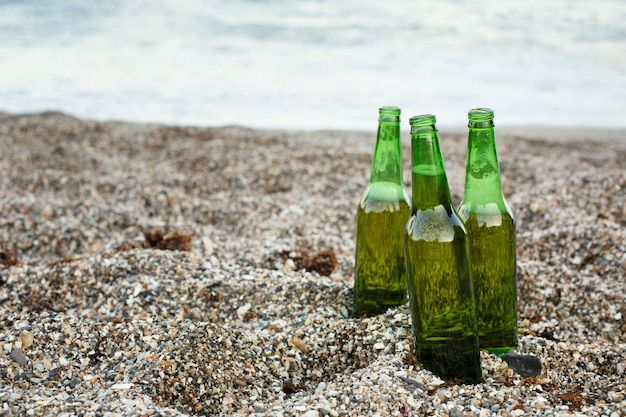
482,177
429,181
387,161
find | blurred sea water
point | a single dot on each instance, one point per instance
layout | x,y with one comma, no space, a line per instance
316,64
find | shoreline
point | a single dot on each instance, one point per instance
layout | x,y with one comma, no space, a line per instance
179,270
547,132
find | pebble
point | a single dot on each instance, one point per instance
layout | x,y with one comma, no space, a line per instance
302,347
18,356
525,365
122,387
26,338
244,309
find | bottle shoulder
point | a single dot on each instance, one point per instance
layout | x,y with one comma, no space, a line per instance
498,208
440,223
474,221
385,191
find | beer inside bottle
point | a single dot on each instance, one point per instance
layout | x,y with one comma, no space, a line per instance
380,277
491,230
438,266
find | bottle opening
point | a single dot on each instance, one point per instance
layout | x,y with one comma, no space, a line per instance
422,123
480,115
423,120
389,114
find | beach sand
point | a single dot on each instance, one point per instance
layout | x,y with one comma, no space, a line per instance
155,270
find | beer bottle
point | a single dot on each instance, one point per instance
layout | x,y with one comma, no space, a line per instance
491,230
438,266
379,276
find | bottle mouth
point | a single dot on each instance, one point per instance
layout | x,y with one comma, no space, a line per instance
422,123
480,114
423,120
389,114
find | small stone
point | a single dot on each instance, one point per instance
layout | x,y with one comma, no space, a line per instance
39,367
311,413
525,365
241,311
413,383
18,356
73,382
299,344
15,396
202,291
290,266
121,387
379,346
27,339
208,247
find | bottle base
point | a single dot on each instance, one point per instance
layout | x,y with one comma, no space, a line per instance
452,359
498,350
372,303
498,343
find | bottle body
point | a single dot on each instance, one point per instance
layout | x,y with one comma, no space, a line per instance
492,251
438,268
380,274
491,229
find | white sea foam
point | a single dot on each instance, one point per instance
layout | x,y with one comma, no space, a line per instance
316,64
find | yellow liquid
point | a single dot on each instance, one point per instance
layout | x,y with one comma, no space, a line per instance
440,282
492,250
379,276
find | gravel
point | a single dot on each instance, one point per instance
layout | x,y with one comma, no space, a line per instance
170,270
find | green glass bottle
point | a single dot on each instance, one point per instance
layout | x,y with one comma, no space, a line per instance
491,230
438,266
379,275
